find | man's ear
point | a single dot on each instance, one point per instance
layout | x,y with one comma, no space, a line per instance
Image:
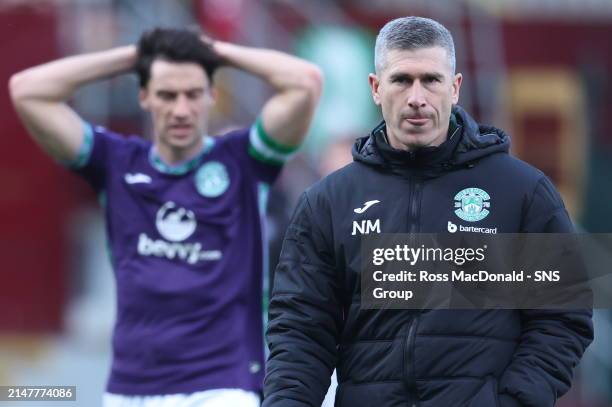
143,98
456,87
374,84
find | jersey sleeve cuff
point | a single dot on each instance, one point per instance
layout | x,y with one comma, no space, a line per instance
267,150
84,152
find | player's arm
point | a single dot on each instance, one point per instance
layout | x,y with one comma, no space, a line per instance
40,96
286,116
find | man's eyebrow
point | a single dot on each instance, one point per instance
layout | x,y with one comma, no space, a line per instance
426,75
433,75
175,92
400,75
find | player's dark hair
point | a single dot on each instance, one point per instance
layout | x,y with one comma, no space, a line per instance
173,45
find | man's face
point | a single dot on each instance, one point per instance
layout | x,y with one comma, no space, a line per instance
416,90
179,98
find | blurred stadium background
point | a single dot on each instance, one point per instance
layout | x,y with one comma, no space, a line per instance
538,68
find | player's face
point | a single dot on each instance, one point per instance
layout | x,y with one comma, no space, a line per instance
416,90
179,97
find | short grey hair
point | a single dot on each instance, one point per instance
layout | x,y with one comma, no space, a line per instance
410,33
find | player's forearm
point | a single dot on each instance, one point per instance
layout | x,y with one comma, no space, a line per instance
298,84
282,71
56,81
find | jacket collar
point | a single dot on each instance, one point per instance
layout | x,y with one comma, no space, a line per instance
466,144
422,157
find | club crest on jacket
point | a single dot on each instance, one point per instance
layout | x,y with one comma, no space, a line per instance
472,204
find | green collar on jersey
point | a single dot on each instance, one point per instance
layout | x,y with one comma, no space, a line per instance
184,167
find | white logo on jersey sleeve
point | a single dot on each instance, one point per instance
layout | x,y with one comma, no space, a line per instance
137,178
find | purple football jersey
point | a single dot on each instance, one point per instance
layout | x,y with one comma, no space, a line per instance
187,250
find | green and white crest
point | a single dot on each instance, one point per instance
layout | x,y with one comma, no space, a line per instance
212,179
472,204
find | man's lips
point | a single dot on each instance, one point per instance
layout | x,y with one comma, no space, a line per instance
180,130
180,126
417,121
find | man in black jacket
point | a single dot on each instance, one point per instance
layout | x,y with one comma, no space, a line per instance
405,178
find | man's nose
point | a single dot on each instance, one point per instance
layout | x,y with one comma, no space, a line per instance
181,107
416,96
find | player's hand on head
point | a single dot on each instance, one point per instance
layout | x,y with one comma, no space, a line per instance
213,45
207,39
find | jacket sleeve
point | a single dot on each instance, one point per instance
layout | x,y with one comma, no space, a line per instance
552,341
304,316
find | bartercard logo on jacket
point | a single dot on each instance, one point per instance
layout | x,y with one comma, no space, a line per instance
472,204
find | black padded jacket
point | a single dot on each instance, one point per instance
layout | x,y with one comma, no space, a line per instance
435,358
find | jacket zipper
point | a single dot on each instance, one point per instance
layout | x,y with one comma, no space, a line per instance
409,374
414,207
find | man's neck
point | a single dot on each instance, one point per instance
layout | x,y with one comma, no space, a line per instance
176,156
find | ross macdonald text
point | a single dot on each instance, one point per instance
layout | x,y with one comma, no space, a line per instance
463,276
